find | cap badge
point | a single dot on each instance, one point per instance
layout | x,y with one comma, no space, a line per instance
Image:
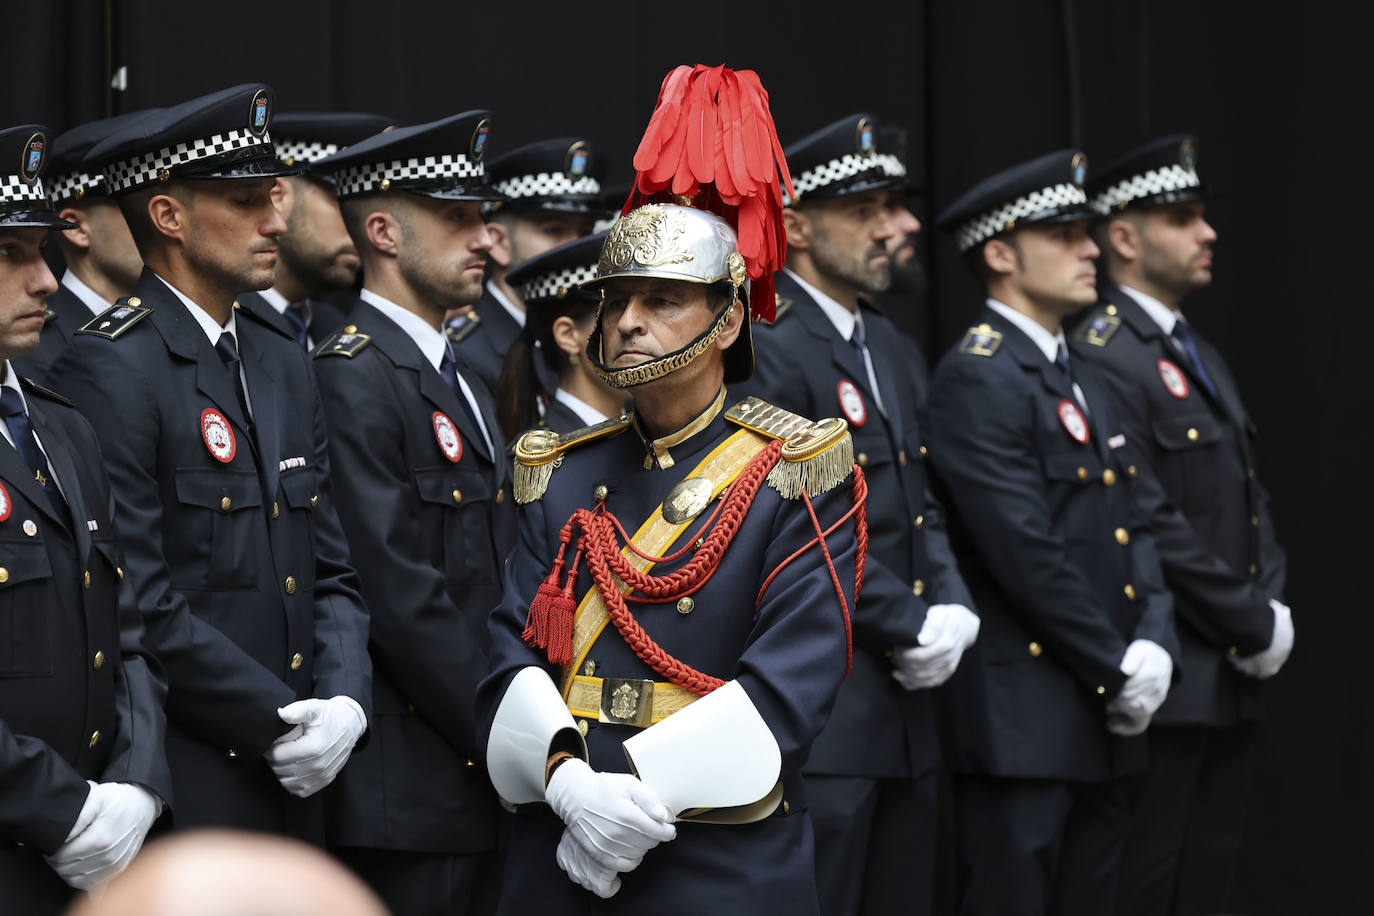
259,113
865,138
218,436
575,165
446,434
479,140
649,236
1173,379
6,505
1187,155
1079,164
1073,421
32,163
852,403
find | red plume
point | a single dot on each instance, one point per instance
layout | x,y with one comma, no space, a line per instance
711,138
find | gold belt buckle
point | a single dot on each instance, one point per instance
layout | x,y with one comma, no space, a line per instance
625,701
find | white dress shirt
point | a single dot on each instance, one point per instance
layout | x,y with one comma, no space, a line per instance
89,297
213,329
511,309
588,414
1047,343
1160,313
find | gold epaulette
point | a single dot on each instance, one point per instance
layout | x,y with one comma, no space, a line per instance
816,455
344,343
116,319
462,326
981,340
539,451
1099,327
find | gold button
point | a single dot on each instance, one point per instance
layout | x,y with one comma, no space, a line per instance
863,459
1009,225
232,752
99,661
120,570
471,764
95,737
226,503
1109,477
923,451
386,184
1129,590
236,304
1131,470
352,328
314,500
410,706
1233,650
1111,309
920,520
86,579
1250,473
500,496
1082,473
1254,570
1254,521
276,510
590,668
457,496
1101,691
582,727
1123,537
786,806
296,661
600,493
685,605
918,587
134,300
1035,650
901,457
290,585
4,574
1192,434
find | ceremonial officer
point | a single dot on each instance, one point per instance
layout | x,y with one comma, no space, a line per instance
429,517
83,774
102,261
711,672
213,435
559,318
1077,648
315,256
551,193
872,773
1191,442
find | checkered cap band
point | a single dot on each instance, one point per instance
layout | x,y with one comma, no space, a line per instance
1155,181
128,174
293,151
548,184
892,166
546,286
847,166
360,179
15,190
986,225
64,187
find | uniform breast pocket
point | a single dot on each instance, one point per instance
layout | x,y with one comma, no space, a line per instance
218,528
26,598
1071,474
1188,448
466,499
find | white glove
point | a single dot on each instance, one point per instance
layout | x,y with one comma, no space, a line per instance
1267,663
948,631
585,870
309,756
107,835
1148,669
614,817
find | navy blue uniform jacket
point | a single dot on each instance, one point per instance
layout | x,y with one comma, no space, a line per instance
325,316
483,348
65,313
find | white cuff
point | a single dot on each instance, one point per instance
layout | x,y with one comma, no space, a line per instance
531,714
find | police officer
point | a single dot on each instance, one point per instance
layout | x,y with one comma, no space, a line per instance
872,773
714,669
551,193
214,440
908,274
315,256
83,773
1077,648
429,517
1192,443
559,318
102,261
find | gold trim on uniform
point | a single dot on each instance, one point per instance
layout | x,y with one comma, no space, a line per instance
657,449
664,365
981,340
539,451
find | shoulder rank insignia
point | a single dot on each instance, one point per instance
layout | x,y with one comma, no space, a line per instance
116,319
539,451
1098,329
36,388
781,306
981,340
344,343
816,456
250,312
48,314
462,325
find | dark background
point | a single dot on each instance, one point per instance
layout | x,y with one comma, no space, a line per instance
1279,101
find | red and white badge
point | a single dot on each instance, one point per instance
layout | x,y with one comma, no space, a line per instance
6,504
1173,379
852,403
450,443
1073,421
218,436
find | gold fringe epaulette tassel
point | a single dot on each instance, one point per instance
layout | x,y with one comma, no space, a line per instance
817,459
539,451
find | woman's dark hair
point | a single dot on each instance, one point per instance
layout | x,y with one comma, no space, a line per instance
529,370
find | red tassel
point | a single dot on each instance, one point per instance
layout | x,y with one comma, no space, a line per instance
549,624
562,610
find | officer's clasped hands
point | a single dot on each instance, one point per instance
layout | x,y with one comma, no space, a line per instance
309,756
107,835
948,631
1267,663
1149,670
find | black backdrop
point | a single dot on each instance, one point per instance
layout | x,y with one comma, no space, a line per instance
1279,99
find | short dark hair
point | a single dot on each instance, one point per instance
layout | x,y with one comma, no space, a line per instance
134,207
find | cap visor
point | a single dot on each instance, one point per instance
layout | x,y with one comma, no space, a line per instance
266,167
35,219
481,192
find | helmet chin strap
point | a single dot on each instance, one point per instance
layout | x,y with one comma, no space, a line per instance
660,366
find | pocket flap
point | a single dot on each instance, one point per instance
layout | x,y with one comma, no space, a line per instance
23,561
210,487
299,487
1081,466
1175,433
451,486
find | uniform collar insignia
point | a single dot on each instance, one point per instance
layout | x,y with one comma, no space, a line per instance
656,450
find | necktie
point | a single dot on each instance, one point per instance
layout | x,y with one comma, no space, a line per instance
1061,361
297,315
856,338
12,407
229,354
1185,339
448,370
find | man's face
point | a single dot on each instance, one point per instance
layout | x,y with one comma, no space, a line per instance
316,247
1176,247
535,232
901,247
233,231
1054,265
112,252
24,281
643,319
443,250
850,239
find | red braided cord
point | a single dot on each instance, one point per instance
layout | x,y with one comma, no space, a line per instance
835,580
859,508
